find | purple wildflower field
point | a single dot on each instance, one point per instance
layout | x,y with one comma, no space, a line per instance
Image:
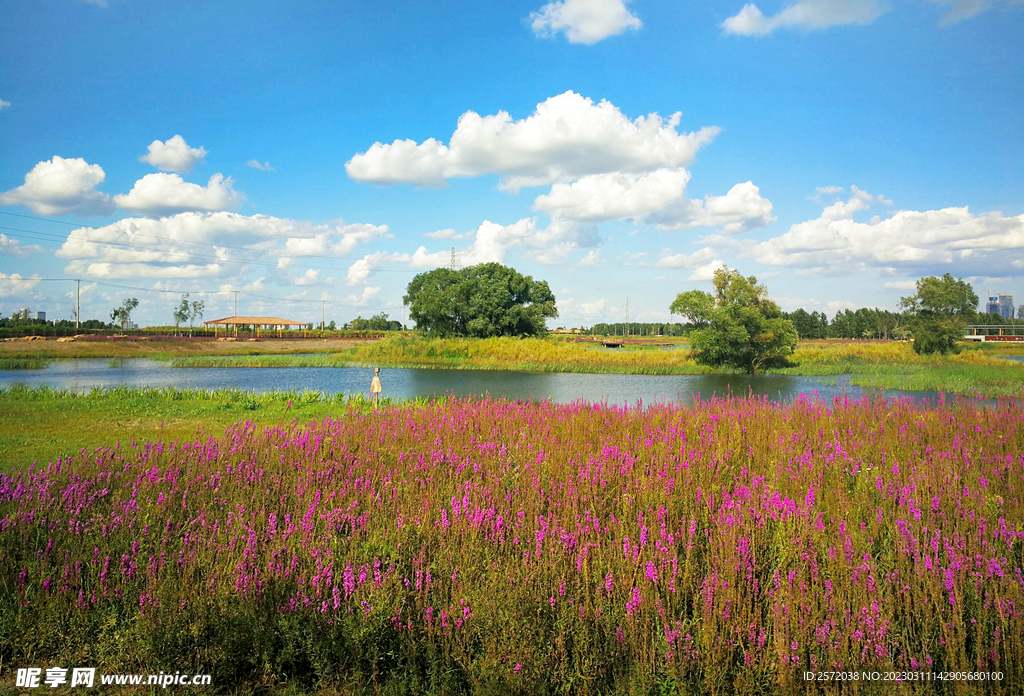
502,547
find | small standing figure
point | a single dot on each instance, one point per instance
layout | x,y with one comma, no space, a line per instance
375,387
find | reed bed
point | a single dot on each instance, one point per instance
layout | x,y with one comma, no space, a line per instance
528,548
524,355
23,363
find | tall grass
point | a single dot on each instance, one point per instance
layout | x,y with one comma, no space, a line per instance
35,363
502,547
528,355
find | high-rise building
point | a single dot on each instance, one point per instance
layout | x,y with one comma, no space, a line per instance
1020,312
41,315
1006,306
1001,305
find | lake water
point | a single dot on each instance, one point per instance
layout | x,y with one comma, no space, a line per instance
409,383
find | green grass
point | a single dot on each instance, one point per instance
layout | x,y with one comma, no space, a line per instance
43,424
23,363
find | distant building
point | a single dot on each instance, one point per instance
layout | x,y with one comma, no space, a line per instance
1020,312
1001,305
41,315
25,312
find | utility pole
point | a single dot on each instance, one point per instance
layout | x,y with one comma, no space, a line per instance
323,305
626,332
236,313
78,303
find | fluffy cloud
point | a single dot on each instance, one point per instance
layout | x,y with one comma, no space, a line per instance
255,164
593,308
702,263
592,258
584,21
61,187
193,244
707,271
901,285
491,242
616,195
804,14
686,260
908,242
167,194
311,277
4,104
14,284
657,198
174,155
338,241
364,298
568,137
743,208
447,233
12,247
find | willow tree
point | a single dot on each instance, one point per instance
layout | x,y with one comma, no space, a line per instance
738,326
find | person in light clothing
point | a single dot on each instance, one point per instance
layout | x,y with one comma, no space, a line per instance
375,387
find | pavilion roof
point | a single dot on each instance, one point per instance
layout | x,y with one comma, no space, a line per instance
256,321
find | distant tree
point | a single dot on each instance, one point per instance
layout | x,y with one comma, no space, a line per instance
484,300
380,322
940,309
332,326
122,315
181,313
195,311
743,328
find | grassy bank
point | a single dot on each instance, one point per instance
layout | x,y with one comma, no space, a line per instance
527,355
508,548
167,348
43,425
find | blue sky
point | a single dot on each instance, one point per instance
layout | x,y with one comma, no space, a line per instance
836,149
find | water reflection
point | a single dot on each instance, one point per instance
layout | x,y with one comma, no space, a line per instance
410,383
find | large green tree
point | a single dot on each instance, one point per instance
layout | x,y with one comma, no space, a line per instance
940,309
740,326
481,301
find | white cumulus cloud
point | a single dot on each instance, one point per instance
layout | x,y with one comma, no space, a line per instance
14,284
62,186
491,243
566,138
743,208
311,277
910,241
255,164
167,194
584,21
4,104
593,308
364,298
174,155
192,243
12,247
615,195
804,14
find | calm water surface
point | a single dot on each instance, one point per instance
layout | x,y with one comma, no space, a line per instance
409,383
